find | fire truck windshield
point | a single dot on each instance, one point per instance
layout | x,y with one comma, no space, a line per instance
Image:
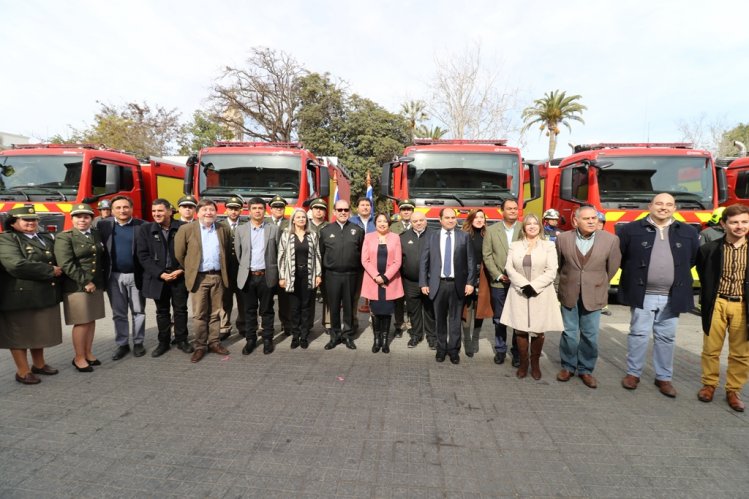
639,178
251,174
463,174
42,175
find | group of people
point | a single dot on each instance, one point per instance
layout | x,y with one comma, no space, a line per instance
525,275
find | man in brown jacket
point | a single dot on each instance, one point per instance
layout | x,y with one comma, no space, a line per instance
202,249
588,260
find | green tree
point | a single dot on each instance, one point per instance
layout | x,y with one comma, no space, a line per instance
414,111
203,131
554,109
738,133
426,132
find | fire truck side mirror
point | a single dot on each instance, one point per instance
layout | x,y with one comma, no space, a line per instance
722,185
324,176
386,187
565,184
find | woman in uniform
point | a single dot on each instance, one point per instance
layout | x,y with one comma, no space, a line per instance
80,253
30,305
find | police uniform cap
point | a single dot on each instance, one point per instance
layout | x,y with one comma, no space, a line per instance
278,202
25,212
319,203
407,203
234,202
187,200
82,209
105,204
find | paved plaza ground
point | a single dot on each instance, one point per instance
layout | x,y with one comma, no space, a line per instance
344,423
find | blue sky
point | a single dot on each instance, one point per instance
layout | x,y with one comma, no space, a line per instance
641,66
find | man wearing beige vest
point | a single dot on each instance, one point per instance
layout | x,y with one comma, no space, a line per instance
588,259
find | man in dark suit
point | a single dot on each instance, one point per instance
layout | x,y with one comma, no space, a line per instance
420,309
202,249
447,274
588,260
163,277
255,245
125,277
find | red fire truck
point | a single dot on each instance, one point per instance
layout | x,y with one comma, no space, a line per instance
464,174
264,169
737,177
620,180
54,177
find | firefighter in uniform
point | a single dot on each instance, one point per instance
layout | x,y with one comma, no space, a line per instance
277,209
233,211
317,222
340,246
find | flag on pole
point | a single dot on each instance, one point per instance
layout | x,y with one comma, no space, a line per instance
370,191
335,192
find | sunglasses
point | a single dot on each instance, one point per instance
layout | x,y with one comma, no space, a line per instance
343,210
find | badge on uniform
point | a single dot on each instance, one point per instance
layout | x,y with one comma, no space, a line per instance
678,245
156,236
410,241
332,236
353,232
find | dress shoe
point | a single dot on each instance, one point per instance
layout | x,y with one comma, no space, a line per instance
440,357
734,401
515,361
139,350
469,353
413,342
398,333
706,393
87,369
197,355
185,346
294,342
432,345
331,344
45,369
564,375
174,341
249,347
350,344
455,358
666,388
218,348
95,362
304,343
630,381
499,358
268,346
224,336
160,350
589,380
29,379
121,351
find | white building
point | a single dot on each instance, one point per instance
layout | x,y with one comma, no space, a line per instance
8,139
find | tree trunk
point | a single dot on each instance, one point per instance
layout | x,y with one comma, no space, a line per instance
552,144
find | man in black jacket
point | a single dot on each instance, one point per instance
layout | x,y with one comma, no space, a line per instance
723,268
658,253
163,277
420,309
340,248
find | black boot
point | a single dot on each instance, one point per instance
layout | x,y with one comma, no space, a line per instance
385,322
376,325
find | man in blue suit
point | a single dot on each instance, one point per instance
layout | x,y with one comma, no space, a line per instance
447,274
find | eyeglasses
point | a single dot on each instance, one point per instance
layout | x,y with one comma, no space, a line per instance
342,210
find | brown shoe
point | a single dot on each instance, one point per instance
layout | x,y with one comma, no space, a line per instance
48,370
29,379
666,388
197,355
734,401
589,380
630,381
217,348
564,375
706,393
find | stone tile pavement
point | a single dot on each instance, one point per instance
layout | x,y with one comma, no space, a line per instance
354,424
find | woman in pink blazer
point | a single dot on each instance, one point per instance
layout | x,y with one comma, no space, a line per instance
381,258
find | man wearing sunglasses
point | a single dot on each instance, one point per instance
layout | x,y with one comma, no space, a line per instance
340,248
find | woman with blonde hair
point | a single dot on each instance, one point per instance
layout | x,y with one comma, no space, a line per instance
299,274
532,307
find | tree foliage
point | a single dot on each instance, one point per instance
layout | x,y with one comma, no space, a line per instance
738,133
262,99
554,109
361,133
203,131
427,132
469,99
415,112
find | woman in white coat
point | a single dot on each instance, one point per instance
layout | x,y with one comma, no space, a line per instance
532,307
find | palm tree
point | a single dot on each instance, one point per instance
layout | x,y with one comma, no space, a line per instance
425,132
555,108
414,111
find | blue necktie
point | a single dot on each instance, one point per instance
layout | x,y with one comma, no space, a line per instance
447,263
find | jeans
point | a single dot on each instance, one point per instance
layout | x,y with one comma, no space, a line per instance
578,347
656,316
124,296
